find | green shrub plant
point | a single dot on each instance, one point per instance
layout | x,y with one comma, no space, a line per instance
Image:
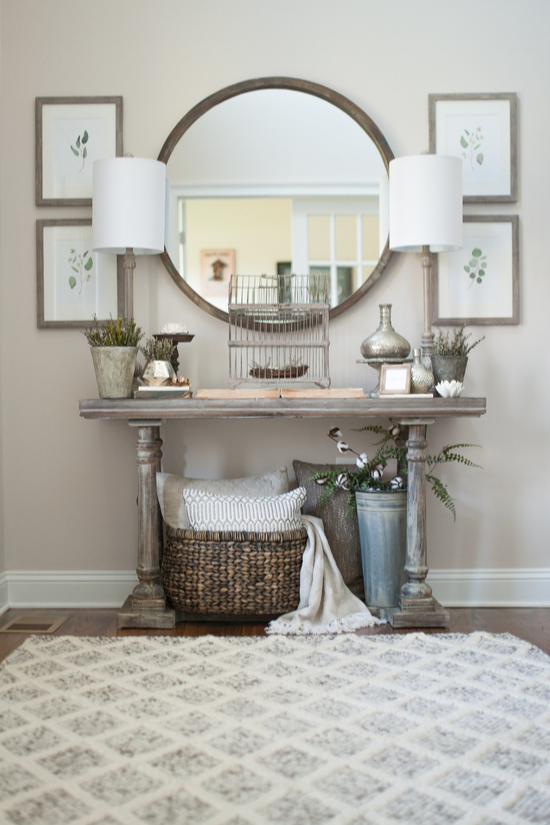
123,332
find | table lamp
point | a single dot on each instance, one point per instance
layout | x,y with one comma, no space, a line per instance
426,216
128,206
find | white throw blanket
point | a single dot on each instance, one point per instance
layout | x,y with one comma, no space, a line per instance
326,605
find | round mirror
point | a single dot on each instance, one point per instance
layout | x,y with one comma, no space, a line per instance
276,176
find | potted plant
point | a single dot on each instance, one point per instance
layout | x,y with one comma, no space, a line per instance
158,369
381,505
450,356
114,348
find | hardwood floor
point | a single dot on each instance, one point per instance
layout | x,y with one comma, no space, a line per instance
531,624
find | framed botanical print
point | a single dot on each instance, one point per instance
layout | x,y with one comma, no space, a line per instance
482,130
479,284
217,267
73,282
72,133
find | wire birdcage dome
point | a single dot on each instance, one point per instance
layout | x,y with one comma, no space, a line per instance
278,329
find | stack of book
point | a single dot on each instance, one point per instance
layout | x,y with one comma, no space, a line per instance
167,391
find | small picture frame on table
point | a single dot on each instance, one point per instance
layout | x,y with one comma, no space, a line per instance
72,133
73,282
479,284
395,379
482,130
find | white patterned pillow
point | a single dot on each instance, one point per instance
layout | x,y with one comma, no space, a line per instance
170,490
267,514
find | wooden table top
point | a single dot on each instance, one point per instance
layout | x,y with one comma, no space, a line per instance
195,408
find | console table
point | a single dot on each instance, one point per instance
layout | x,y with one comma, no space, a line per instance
146,607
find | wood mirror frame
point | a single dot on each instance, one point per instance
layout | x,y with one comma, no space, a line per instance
293,84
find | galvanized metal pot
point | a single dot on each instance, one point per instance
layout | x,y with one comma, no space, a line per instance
114,370
449,368
382,517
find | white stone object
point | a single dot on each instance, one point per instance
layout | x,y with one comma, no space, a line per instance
174,329
449,389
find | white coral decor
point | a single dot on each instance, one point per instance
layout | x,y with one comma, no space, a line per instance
449,389
174,329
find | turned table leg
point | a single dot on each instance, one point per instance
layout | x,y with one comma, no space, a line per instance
146,607
417,606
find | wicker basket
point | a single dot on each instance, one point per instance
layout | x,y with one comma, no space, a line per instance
233,574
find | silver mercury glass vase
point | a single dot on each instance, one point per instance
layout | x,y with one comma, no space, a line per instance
385,342
158,373
421,377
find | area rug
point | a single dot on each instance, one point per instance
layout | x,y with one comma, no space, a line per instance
411,729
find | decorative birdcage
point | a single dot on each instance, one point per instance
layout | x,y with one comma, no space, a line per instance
278,329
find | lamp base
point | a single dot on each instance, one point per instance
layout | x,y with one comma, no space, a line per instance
128,265
428,336
427,348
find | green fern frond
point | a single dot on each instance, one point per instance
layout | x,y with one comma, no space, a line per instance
448,453
459,447
351,505
374,428
440,492
371,428
461,459
399,453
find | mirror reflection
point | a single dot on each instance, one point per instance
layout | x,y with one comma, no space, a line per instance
271,182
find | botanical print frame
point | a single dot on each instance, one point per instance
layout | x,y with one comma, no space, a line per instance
488,264
72,133
482,130
74,283
217,266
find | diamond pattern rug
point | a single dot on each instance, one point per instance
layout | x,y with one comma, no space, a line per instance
349,730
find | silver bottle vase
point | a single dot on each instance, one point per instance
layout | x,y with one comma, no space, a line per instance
385,342
421,377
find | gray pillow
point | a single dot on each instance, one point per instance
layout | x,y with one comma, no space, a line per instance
342,532
170,491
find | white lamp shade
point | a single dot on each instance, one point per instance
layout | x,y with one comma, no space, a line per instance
426,203
128,205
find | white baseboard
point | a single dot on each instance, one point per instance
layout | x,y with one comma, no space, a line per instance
529,587
97,588
65,588
4,602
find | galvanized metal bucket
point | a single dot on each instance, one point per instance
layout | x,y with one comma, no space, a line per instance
382,517
449,368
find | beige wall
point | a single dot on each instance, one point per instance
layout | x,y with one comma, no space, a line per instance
70,484
2,560
257,229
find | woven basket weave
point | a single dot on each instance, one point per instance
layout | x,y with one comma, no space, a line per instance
233,574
